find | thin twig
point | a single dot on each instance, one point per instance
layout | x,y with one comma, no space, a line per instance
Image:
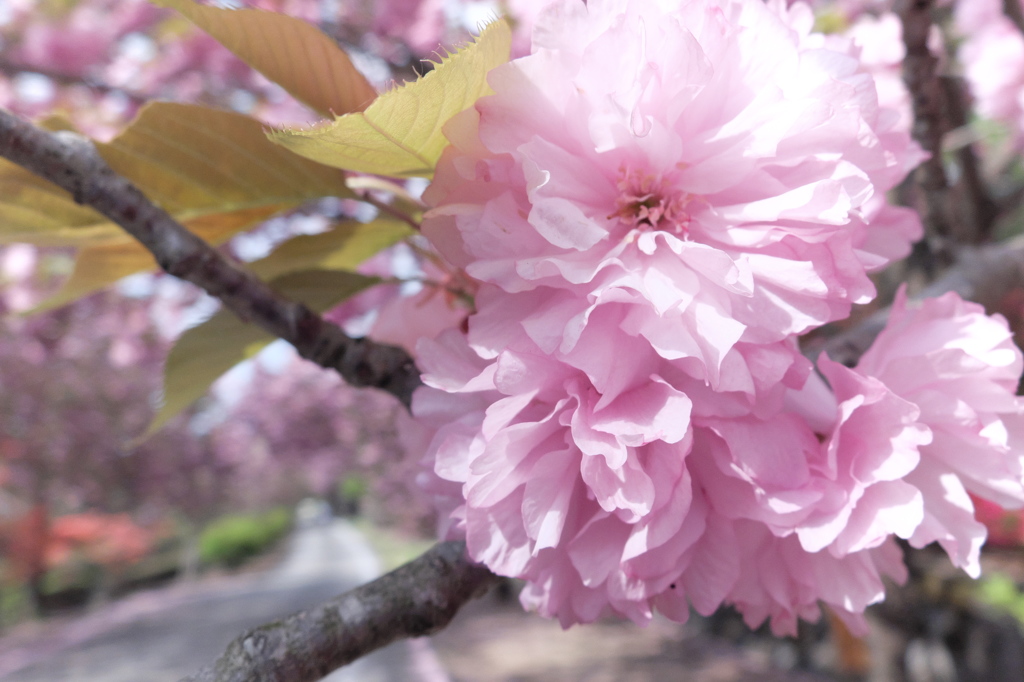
12,69
414,600
72,162
385,207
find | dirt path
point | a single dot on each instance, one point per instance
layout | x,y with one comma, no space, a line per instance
496,641
163,635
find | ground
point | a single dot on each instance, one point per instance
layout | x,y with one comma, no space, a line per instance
160,635
494,640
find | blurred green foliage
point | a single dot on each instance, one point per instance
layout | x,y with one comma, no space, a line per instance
76,574
231,540
353,488
1000,591
15,603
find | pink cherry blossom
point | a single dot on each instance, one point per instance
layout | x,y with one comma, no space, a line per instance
17,268
961,368
622,486
929,414
650,209
698,162
815,489
779,580
591,502
404,320
391,313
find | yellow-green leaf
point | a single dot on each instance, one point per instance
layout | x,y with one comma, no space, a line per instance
199,164
31,206
95,268
214,171
206,351
196,161
400,133
295,55
343,247
37,211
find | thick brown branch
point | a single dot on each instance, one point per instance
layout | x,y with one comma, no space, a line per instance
919,73
984,275
977,210
416,599
1012,9
72,162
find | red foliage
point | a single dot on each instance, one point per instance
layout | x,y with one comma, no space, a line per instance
32,543
107,539
1005,527
24,542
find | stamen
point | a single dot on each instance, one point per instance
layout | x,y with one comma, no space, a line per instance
648,202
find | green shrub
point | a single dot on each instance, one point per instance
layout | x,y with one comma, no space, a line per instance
232,540
15,603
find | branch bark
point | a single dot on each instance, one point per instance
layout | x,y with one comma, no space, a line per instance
1012,10
13,68
414,600
72,162
919,73
982,274
978,212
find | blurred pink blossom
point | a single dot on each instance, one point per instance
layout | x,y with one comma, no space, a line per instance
18,291
880,40
99,60
992,55
83,39
428,27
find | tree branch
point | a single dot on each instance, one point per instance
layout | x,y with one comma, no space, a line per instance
72,162
12,69
983,275
978,211
919,73
1012,10
414,600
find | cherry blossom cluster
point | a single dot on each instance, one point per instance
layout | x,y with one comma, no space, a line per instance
652,209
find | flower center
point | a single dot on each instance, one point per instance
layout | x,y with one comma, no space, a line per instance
647,202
